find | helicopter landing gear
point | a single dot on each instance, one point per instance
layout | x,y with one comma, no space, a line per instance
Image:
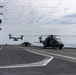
60,47
44,47
53,47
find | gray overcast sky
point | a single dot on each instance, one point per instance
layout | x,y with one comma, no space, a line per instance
38,17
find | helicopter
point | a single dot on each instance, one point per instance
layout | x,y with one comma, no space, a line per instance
15,38
51,41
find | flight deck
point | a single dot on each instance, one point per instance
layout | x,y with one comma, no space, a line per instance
20,60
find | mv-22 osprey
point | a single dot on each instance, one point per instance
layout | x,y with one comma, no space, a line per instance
15,38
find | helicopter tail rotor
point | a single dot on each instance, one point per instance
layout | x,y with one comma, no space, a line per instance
40,39
21,37
9,36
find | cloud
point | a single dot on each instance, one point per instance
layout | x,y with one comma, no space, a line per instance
38,12
38,17
29,11
68,19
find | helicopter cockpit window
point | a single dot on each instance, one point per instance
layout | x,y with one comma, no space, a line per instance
58,40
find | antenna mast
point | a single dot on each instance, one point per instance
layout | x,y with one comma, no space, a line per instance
1,14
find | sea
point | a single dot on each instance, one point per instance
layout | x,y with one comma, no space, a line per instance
70,45
65,45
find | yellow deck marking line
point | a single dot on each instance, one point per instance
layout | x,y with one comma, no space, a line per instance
1,48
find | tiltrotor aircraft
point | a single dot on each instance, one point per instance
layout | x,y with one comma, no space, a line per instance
15,38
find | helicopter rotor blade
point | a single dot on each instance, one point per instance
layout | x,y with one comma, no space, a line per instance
36,42
36,35
65,35
50,35
9,34
46,35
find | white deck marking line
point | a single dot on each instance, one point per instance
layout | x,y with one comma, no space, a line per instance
45,63
55,54
43,55
37,52
41,63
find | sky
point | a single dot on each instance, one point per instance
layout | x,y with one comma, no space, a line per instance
26,17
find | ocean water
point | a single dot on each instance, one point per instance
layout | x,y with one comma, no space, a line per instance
70,45
65,45
67,41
